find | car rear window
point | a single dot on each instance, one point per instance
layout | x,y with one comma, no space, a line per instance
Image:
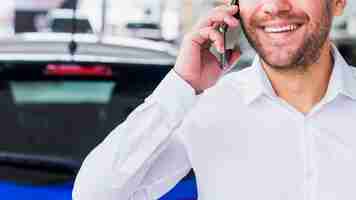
66,116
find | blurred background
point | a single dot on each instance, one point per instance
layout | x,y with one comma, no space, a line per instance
141,18
72,70
152,19
159,20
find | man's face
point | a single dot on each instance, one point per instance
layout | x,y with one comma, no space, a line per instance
287,33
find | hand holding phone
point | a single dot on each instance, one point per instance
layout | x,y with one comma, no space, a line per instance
198,59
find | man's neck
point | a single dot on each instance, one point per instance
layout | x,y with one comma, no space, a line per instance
303,89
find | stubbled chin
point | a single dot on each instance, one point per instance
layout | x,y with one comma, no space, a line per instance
280,57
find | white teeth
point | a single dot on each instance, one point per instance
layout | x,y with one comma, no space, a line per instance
280,29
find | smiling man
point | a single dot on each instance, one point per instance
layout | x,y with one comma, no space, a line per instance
293,34
280,129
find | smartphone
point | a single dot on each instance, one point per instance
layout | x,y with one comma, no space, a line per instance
224,29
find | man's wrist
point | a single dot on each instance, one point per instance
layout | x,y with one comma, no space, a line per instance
197,90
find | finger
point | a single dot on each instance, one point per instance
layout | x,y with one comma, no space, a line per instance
216,25
214,37
211,35
224,14
226,2
221,14
230,9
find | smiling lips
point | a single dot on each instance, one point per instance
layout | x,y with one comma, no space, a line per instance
281,29
280,33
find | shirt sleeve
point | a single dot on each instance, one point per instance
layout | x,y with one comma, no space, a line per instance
143,157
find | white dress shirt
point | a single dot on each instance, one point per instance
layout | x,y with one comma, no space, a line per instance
242,141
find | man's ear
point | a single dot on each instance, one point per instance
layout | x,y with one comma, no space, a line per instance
338,7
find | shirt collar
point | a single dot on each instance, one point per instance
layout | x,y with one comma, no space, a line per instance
342,81
257,82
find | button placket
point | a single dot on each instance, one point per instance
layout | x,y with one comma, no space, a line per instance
310,162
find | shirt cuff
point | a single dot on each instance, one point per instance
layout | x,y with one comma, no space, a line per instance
175,95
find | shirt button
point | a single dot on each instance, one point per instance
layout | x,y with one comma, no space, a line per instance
309,174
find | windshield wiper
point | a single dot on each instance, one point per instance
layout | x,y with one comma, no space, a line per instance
53,164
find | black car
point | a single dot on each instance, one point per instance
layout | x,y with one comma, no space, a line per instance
60,95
